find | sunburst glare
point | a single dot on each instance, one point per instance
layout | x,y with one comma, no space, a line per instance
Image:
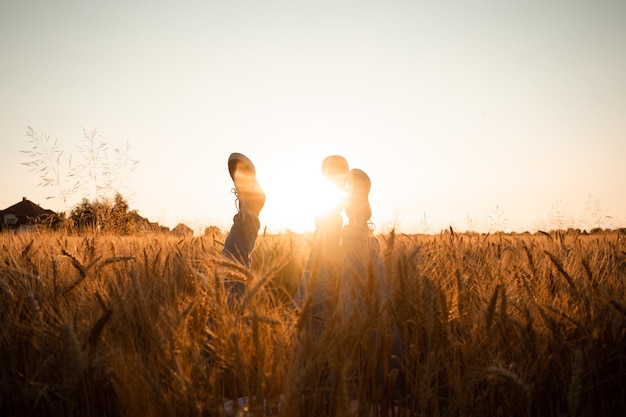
295,201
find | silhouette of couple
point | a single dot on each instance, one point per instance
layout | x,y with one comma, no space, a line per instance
350,252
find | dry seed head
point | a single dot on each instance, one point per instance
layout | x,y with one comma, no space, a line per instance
510,376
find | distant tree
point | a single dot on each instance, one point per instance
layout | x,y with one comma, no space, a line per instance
87,214
182,230
122,219
114,217
212,231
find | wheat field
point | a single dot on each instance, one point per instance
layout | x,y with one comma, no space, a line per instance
491,325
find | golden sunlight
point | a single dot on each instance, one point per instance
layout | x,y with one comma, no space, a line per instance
294,201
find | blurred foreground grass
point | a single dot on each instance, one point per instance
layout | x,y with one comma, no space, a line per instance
525,325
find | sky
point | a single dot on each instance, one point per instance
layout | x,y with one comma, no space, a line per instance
476,115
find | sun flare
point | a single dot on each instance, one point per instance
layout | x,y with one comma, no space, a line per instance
295,200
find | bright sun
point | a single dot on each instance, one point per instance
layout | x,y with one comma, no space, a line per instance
296,194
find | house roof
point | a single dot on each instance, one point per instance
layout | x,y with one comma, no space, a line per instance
26,209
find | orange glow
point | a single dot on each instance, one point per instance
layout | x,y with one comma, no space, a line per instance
294,201
328,197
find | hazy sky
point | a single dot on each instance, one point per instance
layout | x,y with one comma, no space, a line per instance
506,113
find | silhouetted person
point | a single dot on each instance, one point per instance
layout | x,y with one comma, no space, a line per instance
342,257
343,293
242,236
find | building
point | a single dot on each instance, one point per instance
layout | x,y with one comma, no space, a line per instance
24,216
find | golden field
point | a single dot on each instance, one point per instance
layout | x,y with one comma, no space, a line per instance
510,325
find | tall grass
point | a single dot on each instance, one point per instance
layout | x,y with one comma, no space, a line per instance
525,325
